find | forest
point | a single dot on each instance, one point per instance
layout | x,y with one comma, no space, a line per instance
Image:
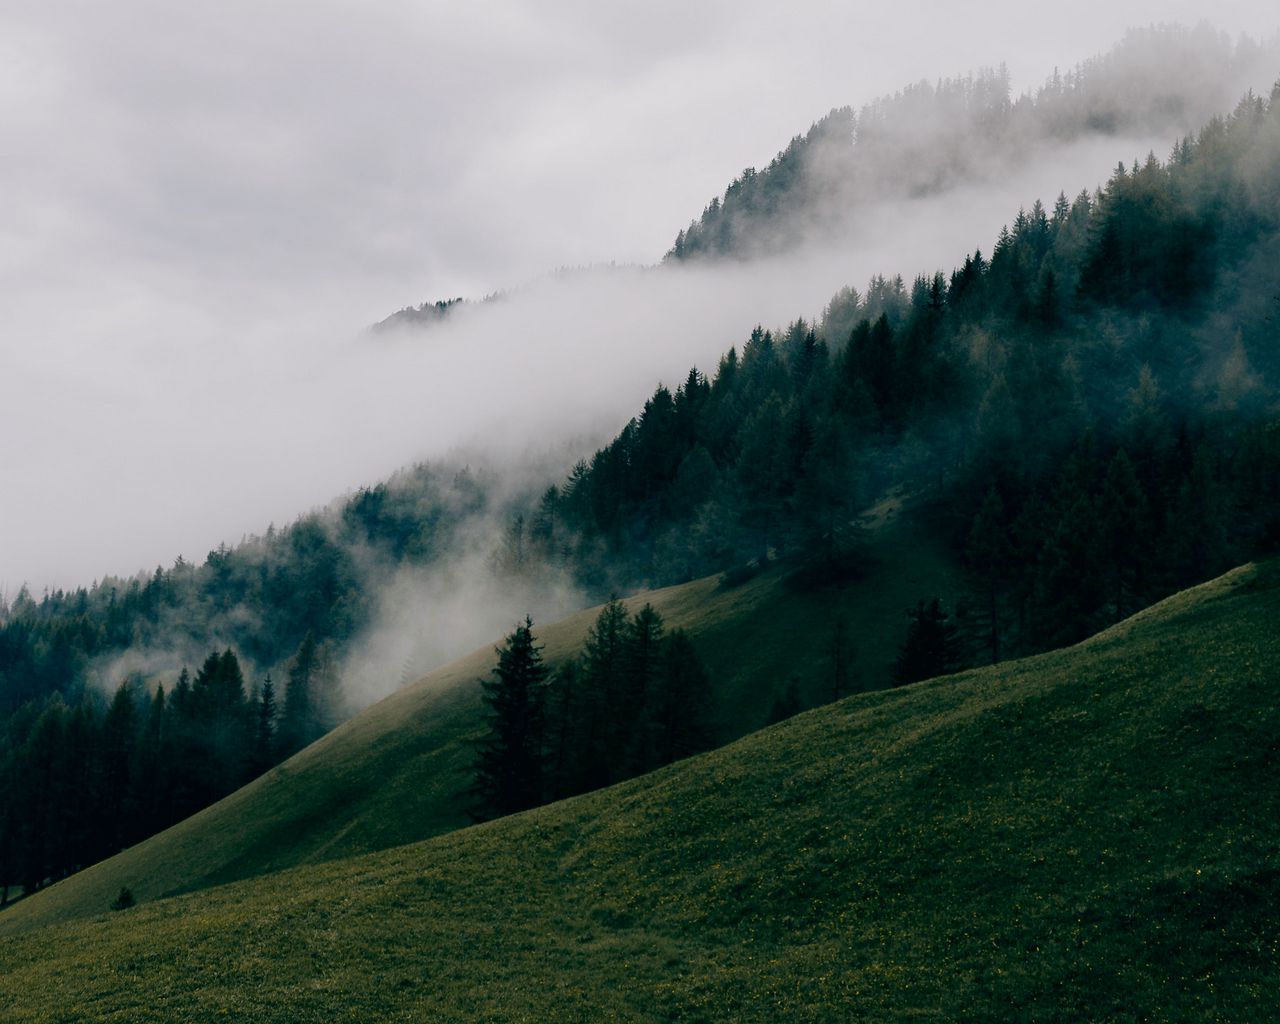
933,135
1086,414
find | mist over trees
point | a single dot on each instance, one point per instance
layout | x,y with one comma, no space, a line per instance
318,576
1089,409
1086,413
1162,80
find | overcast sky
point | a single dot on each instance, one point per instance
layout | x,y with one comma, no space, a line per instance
202,204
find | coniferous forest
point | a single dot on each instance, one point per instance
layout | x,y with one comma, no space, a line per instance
1085,411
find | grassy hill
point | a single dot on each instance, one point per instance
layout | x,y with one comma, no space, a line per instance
392,775
1092,834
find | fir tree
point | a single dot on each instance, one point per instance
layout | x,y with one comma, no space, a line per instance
264,729
509,764
932,646
988,556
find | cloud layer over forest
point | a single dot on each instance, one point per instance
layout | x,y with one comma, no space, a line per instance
204,207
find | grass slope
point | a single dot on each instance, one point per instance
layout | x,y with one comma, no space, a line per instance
392,775
1090,834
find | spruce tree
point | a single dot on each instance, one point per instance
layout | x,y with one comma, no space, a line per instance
603,670
509,765
932,646
263,747
641,663
299,700
682,703
117,753
1125,520
989,556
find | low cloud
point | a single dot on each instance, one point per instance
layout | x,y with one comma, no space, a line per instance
204,206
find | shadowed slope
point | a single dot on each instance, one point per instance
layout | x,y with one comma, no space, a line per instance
1086,835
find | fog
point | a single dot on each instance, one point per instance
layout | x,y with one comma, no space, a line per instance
204,209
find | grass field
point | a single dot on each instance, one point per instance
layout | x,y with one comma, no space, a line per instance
393,774
1091,834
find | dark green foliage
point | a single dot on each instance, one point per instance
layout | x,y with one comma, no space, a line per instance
786,704
1100,319
510,762
635,699
840,653
737,575
82,783
932,646
263,745
317,575
676,720
312,696
641,676
988,557
1124,516
124,899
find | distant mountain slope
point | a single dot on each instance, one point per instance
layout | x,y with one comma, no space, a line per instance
394,773
1092,834
931,137
423,315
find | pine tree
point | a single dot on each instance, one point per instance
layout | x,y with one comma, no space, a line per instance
932,646
786,704
988,556
1125,523
678,718
118,739
297,726
509,766
264,729
603,669
642,658
840,651
152,772
566,740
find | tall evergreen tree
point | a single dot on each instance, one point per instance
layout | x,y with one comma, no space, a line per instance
988,556
641,663
932,646
298,726
117,753
1126,522
678,717
264,729
510,762
603,675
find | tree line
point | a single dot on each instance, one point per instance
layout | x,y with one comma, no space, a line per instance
1087,415
79,783
318,575
930,136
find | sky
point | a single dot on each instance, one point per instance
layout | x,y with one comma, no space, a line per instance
205,204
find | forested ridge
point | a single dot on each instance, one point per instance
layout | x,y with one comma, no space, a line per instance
107,738
1087,414
1159,81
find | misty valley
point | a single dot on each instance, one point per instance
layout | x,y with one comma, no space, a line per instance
913,658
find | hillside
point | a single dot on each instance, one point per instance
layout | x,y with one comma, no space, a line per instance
1091,410
1089,834
932,138
393,774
